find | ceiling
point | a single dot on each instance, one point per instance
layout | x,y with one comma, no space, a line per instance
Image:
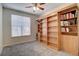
21,7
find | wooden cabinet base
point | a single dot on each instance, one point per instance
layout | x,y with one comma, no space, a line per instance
70,44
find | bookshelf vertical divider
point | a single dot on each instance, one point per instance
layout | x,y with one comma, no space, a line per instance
47,32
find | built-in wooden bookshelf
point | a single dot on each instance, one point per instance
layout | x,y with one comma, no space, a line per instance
59,30
39,30
48,29
68,21
42,30
52,26
69,30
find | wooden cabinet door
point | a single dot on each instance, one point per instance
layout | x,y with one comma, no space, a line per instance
70,44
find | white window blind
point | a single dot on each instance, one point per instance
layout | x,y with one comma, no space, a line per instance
20,25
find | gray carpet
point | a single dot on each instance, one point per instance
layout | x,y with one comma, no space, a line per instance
31,49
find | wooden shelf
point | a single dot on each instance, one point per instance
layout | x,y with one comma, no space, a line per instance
44,41
52,42
51,21
69,33
52,32
69,19
70,26
43,22
52,37
44,27
52,45
52,26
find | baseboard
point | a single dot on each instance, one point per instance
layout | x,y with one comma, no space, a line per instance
7,45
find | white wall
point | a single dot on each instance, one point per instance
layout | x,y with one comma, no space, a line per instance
7,39
0,28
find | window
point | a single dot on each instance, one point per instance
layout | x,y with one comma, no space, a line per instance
20,25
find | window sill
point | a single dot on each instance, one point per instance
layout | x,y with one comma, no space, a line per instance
20,36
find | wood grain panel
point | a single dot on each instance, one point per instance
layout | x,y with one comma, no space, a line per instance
70,44
44,39
53,24
52,18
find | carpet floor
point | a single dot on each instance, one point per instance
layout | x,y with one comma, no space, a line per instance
31,49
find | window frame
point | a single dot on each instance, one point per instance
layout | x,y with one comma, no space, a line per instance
21,34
